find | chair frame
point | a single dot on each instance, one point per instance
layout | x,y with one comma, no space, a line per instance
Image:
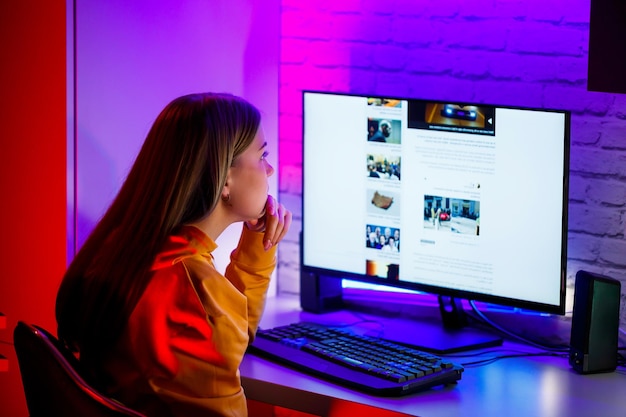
52,381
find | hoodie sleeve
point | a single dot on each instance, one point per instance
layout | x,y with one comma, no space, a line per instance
250,271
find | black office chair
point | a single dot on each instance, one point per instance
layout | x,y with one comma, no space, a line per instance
52,383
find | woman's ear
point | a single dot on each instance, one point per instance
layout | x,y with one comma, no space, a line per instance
225,193
226,189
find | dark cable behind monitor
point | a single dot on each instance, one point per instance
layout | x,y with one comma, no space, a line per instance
485,319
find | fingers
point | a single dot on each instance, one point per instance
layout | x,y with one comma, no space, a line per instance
277,222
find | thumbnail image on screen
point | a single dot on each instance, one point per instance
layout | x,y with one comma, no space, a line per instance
382,269
383,130
451,214
383,202
383,167
452,117
384,238
384,102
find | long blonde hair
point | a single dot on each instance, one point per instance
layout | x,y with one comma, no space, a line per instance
177,178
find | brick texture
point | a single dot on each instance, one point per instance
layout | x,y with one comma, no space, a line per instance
494,51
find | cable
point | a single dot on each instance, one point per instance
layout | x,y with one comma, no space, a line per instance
363,319
509,356
516,336
550,350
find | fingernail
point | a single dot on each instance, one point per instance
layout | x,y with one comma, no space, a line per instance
268,244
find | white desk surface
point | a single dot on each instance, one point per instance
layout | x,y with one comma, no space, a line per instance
528,386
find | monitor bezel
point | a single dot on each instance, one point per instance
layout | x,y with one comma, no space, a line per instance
444,291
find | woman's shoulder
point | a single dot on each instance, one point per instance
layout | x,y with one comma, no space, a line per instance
187,242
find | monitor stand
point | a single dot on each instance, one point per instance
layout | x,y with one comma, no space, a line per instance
453,335
323,294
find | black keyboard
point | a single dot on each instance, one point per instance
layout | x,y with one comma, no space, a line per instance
373,365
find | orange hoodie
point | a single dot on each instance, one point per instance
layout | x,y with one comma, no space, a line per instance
181,351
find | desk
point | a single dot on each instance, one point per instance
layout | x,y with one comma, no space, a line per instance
529,386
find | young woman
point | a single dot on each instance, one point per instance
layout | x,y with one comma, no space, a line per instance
154,324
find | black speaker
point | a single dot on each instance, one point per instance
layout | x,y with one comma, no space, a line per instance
595,323
319,293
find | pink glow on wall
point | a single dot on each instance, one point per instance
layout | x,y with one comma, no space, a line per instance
502,52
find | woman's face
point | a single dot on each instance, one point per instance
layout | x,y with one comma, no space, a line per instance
247,181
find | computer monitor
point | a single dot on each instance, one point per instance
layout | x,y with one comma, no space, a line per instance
463,200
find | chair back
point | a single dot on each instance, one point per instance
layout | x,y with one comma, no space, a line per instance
52,383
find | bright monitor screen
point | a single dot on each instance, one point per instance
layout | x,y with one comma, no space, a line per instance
458,199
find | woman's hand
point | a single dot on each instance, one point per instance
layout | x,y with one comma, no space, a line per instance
274,222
